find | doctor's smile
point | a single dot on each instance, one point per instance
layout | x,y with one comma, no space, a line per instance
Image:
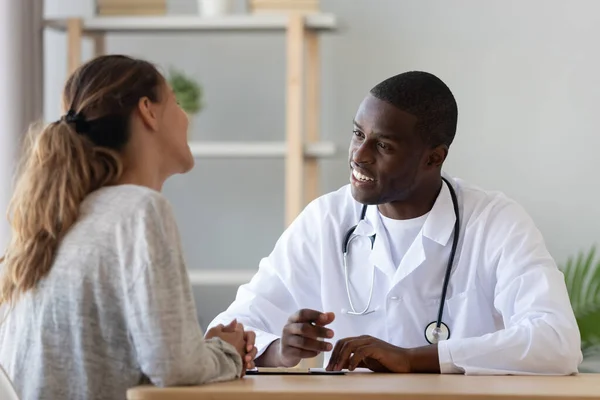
361,178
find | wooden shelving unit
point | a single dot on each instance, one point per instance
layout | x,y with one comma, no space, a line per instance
300,151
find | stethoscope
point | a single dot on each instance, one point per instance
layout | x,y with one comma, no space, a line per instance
436,330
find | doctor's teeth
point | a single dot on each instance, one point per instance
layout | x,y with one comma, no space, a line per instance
360,176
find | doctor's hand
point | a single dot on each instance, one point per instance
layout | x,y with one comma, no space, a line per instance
369,352
301,334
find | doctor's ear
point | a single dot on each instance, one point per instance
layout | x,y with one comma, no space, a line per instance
437,156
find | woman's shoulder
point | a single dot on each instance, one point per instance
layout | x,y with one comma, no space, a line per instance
126,196
126,202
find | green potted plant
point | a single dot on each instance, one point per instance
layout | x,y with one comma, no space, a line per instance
582,276
187,91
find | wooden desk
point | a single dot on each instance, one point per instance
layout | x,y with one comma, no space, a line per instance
385,387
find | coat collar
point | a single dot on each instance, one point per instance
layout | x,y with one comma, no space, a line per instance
438,227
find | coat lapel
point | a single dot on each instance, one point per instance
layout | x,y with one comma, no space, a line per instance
381,256
438,227
414,257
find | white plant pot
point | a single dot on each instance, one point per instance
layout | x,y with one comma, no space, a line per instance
214,8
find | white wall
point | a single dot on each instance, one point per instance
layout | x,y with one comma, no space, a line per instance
525,74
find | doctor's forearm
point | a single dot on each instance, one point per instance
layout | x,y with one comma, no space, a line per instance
424,359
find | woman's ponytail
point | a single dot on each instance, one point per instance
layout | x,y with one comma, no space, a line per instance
61,167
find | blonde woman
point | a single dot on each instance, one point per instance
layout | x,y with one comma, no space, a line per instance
94,278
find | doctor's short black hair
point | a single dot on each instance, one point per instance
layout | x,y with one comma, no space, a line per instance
428,98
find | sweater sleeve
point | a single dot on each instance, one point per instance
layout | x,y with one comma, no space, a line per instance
161,314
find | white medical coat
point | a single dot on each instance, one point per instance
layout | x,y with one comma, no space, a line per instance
507,306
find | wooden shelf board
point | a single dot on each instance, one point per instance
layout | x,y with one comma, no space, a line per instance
257,149
185,23
220,277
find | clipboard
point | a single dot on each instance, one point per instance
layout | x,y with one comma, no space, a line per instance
292,371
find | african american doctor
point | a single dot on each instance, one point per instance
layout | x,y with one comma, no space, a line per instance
407,269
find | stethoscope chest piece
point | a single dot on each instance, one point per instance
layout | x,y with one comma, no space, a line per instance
433,334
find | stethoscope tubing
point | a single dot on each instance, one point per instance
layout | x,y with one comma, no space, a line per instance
347,240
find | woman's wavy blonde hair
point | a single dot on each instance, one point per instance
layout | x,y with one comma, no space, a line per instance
67,160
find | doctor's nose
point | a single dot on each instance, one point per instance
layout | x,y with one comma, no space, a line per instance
362,153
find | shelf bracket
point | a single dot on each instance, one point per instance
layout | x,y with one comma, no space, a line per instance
294,162
74,35
312,108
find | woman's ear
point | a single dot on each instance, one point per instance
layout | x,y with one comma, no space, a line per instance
148,113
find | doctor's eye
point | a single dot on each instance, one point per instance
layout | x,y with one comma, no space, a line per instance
358,133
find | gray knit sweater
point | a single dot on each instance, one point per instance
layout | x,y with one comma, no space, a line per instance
115,311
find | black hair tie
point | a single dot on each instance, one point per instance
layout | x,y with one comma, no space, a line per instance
81,124
108,131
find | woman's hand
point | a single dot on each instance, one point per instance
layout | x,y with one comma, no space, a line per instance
243,341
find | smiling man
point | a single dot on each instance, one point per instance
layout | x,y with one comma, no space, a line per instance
406,269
